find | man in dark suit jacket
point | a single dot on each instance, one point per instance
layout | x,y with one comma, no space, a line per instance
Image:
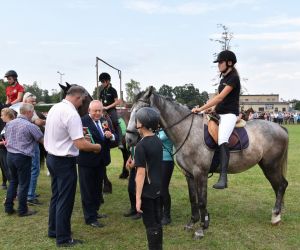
91,165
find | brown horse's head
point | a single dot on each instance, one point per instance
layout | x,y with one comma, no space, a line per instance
83,109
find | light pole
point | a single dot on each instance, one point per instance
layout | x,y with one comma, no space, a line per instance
60,81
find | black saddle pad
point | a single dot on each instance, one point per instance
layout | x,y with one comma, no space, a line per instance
242,143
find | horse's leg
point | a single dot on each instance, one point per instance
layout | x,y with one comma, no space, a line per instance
125,154
273,172
194,205
107,186
201,185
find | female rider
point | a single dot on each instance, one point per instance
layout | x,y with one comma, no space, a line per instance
227,106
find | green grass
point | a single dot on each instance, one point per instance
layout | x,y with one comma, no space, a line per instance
240,215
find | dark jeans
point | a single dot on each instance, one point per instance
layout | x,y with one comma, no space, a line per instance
63,185
89,180
167,171
114,119
4,167
20,169
151,212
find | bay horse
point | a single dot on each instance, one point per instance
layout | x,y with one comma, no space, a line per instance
83,110
268,147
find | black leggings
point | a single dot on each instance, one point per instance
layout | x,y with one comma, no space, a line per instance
167,171
151,212
4,167
131,189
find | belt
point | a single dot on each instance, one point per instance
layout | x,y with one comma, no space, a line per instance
63,156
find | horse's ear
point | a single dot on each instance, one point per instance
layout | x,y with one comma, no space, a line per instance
150,91
64,88
68,85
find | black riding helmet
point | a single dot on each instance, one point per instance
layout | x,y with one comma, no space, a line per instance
11,73
104,77
148,117
226,56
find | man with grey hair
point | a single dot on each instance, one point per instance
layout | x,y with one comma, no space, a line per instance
21,136
63,140
35,164
92,166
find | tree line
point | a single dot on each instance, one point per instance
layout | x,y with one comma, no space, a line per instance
42,95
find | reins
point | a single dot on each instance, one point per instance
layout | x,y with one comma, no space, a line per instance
182,144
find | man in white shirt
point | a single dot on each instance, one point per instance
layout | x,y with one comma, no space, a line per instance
63,139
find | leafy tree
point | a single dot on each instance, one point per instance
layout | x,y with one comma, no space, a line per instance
189,95
35,90
46,98
2,91
55,96
296,104
166,90
132,88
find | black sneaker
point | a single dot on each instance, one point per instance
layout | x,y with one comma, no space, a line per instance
136,216
166,221
70,243
34,202
28,213
130,212
10,212
96,224
102,216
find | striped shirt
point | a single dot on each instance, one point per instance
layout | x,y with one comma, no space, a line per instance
21,136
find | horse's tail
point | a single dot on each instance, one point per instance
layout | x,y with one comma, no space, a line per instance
285,156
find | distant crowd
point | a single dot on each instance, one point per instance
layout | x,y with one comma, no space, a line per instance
278,117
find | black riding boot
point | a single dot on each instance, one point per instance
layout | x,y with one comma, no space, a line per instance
155,237
224,160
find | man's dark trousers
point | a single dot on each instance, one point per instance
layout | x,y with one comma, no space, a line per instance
63,184
89,180
20,171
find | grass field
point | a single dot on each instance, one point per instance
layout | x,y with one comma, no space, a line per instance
240,215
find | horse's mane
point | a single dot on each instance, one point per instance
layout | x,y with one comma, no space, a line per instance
138,96
169,99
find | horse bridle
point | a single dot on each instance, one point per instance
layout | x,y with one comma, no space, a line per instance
171,126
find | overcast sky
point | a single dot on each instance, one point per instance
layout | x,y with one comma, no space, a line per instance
153,42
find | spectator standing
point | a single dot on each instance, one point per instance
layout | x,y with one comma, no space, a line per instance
147,160
35,164
167,171
20,135
6,116
63,140
91,165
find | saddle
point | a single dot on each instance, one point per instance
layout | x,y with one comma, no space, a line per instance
238,140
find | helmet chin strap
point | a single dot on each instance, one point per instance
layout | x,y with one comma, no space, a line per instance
227,68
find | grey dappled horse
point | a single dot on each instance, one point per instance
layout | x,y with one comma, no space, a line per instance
268,147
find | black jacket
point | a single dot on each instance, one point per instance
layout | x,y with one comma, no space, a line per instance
90,159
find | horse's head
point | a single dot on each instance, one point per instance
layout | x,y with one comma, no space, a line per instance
143,99
83,109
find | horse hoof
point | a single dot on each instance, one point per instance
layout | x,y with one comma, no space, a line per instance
199,234
276,219
189,227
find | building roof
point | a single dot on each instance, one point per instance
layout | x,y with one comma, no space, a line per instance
263,103
262,95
